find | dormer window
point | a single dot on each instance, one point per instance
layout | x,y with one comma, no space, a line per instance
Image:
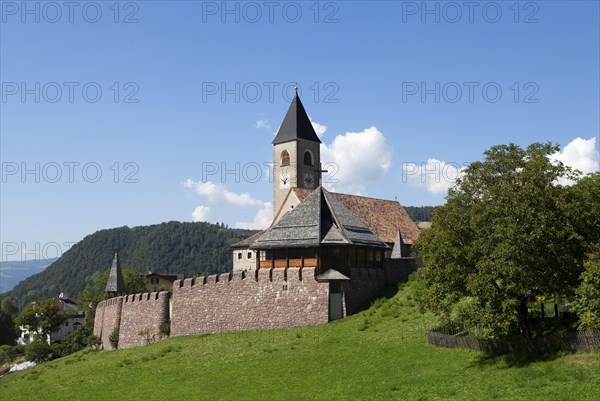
308,159
285,158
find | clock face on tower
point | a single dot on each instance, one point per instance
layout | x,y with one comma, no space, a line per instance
309,181
284,181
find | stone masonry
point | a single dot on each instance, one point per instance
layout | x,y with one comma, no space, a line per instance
263,299
260,300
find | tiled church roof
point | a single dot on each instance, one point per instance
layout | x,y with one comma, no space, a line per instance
384,217
320,219
246,242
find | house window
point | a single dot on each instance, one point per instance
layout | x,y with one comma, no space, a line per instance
378,256
308,159
285,158
263,255
249,255
239,255
154,280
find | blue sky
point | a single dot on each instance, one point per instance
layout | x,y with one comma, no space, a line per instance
408,92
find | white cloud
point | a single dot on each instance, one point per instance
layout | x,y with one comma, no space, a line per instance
261,220
435,175
201,213
580,154
355,158
218,193
262,123
320,129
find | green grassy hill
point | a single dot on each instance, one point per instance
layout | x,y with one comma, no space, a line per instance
378,354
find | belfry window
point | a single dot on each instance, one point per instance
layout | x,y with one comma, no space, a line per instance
285,158
308,160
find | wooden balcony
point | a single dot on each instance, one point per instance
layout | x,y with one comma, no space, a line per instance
285,263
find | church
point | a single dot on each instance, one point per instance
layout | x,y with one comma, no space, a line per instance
314,227
324,256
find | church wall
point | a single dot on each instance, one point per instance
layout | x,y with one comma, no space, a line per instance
314,148
259,300
290,169
245,262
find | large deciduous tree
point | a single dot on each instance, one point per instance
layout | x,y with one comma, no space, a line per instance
504,236
43,317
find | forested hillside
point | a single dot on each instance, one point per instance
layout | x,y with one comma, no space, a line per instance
419,213
174,247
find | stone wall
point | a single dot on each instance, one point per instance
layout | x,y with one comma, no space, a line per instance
363,286
141,317
398,269
263,299
108,316
267,298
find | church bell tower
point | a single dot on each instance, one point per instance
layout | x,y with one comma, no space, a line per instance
296,154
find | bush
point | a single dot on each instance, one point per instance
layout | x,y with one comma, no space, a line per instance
38,351
114,338
10,352
165,329
93,341
76,340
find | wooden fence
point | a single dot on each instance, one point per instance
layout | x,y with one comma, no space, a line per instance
549,343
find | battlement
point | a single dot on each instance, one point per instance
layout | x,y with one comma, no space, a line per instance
146,296
110,302
285,276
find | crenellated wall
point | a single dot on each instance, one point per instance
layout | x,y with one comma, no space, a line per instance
267,298
108,316
141,317
263,299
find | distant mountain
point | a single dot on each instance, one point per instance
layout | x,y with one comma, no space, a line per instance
174,247
13,272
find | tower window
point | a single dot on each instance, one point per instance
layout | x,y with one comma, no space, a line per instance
285,158
308,160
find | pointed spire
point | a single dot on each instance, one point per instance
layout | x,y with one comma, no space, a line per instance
115,281
296,124
397,249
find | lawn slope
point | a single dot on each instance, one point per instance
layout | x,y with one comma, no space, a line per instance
378,354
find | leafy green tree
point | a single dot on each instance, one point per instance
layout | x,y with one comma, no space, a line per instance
43,317
584,207
587,296
503,237
8,330
76,340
